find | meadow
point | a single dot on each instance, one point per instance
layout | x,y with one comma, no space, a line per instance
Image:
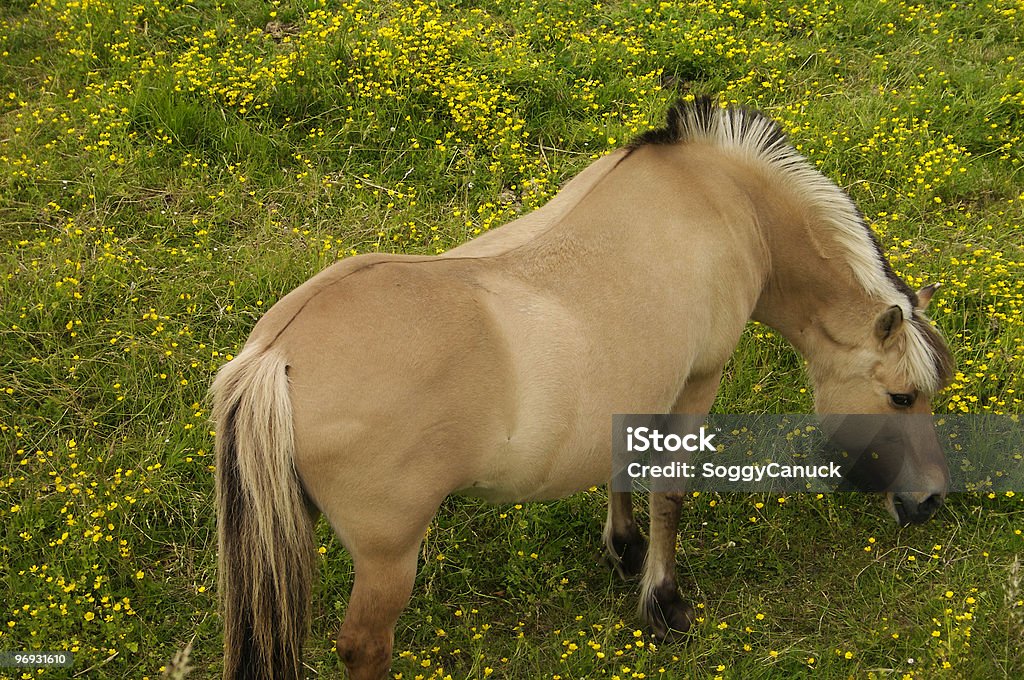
170,168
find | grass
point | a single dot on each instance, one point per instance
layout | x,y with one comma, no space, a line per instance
169,169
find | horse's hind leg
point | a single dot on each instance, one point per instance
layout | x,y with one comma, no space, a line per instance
382,587
625,545
383,531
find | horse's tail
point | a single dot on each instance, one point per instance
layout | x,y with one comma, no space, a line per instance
265,534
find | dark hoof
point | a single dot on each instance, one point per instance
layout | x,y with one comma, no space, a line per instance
667,616
627,554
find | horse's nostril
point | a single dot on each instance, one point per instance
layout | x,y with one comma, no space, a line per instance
909,511
929,505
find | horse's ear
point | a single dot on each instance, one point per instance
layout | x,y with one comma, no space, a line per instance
888,322
924,296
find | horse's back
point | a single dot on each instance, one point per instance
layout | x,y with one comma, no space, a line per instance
530,226
285,310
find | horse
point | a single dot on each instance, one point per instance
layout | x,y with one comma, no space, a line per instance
385,383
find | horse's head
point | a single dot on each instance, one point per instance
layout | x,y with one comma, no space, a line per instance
875,405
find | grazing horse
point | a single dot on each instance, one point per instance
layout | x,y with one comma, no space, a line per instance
386,383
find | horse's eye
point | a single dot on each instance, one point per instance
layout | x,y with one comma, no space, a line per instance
902,400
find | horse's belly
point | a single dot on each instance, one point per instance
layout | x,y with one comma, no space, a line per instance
527,472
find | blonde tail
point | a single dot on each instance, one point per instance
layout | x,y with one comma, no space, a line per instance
264,532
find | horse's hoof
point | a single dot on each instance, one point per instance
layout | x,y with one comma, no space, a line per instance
668,617
627,555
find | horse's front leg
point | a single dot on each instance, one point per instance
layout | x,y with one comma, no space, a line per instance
626,547
662,608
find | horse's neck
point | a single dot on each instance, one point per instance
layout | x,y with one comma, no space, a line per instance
812,297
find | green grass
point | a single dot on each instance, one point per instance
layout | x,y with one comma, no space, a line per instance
168,170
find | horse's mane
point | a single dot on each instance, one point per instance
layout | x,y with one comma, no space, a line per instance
761,140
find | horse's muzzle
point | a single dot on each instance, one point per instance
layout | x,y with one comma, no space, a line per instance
911,508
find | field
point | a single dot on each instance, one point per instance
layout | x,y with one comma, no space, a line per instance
169,169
